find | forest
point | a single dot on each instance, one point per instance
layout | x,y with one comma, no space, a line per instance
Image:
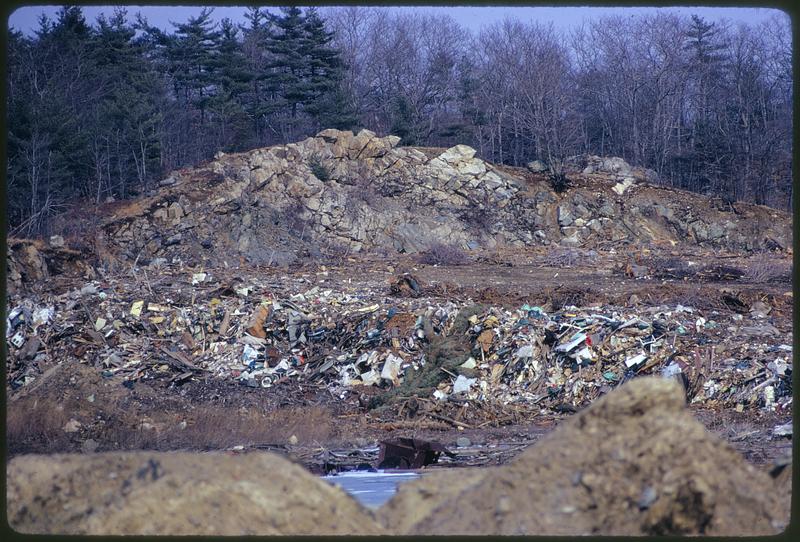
101,111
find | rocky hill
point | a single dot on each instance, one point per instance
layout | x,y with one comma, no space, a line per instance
346,192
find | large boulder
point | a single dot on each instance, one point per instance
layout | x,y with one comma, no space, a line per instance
537,166
458,153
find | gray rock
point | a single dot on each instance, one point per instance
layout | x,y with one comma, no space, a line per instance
537,166
89,446
616,166
458,153
571,239
463,442
716,230
699,230
564,216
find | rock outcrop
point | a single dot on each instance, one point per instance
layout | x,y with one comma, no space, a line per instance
359,191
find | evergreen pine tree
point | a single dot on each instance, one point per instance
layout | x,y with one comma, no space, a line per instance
324,98
287,45
231,80
192,52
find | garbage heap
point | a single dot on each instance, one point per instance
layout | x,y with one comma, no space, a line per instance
174,324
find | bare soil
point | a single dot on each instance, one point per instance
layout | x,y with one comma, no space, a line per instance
150,493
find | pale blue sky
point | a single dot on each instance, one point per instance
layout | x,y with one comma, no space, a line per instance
472,17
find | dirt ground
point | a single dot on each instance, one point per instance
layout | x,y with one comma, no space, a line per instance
176,494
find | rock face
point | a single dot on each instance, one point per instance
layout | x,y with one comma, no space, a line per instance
635,462
176,494
360,191
30,261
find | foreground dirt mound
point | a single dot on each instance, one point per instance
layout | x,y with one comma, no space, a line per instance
635,462
176,494
414,501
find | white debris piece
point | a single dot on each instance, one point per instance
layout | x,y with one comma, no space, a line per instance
391,368
463,383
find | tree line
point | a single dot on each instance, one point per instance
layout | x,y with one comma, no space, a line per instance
104,110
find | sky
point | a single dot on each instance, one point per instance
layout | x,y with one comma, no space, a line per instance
472,17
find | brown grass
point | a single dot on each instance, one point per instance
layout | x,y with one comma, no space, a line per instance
33,424
36,425
443,254
211,427
215,427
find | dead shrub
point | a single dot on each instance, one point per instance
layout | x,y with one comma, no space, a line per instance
765,268
34,424
335,253
568,257
443,254
670,268
361,193
559,182
564,296
480,218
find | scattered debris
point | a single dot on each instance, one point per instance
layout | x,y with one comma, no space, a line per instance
262,332
409,453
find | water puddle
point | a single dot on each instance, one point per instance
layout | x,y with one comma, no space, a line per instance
371,489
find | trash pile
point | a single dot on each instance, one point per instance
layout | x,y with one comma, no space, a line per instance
174,324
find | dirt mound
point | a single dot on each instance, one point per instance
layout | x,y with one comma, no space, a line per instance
634,463
414,501
783,483
176,494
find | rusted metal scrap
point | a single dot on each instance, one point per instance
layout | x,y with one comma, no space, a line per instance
409,453
406,285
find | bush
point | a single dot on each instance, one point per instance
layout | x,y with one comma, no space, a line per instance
559,182
318,168
765,268
443,254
